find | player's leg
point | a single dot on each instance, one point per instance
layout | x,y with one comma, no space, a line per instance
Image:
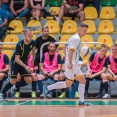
40,78
12,82
76,89
55,78
34,85
62,78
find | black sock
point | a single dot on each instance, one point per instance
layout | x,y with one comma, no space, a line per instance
17,90
6,88
21,84
1,82
34,85
63,90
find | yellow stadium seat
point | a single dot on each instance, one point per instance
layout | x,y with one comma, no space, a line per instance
53,11
106,26
85,60
64,38
52,36
62,54
67,18
108,53
17,26
35,24
90,13
88,38
107,13
10,38
53,27
69,27
104,39
92,27
34,37
9,53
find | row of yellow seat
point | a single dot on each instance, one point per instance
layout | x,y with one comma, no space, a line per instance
90,13
69,27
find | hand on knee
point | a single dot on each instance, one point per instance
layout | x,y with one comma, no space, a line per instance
28,81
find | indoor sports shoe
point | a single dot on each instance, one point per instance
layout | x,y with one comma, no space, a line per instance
13,90
49,96
76,95
106,96
84,103
41,95
17,95
33,94
46,91
63,95
2,97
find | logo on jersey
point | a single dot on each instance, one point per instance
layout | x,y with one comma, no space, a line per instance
31,46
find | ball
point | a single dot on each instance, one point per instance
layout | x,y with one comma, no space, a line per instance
85,51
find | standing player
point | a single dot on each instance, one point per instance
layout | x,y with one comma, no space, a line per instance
72,71
19,62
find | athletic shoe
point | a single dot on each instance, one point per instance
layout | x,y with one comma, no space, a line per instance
86,95
41,95
17,18
2,97
17,94
76,95
106,96
33,94
13,90
49,96
46,91
99,96
63,95
55,18
84,103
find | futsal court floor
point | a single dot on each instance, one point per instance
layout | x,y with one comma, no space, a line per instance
57,108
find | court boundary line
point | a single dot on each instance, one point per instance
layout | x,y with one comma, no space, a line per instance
22,103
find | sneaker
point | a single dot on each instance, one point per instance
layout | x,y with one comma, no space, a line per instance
99,96
84,103
46,91
33,94
76,95
2,97
55,18
49,96
17,94
13,90
63,95
41,95
106,96
86,95
17,18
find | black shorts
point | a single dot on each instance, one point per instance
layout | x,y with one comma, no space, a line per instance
15,69
46,76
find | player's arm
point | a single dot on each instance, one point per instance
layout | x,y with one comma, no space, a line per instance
80,8
88,65
64,50
110,71
33,54
70,56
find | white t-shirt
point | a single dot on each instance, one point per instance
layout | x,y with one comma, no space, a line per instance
73,43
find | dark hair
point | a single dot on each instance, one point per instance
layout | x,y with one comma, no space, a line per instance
114,45
84,25
51,42
44,27
103,46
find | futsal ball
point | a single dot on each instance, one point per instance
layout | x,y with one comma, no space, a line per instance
85,51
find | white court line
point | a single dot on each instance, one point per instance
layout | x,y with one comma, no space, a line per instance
22,103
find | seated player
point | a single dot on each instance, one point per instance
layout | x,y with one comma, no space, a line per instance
50,67
34,67
4,66
97,65
112,66
62,78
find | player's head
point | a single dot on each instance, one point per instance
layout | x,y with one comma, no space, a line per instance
103,49
52,47
45,31
114,49
82,29
28,35
0,48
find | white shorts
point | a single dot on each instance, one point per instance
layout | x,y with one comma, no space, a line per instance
72,73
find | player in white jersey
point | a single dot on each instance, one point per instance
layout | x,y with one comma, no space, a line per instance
72,71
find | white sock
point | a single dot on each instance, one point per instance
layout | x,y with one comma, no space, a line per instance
81,89
58,85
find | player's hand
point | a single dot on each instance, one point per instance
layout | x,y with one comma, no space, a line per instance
32,61
45,72
28,69
92,76
50,74
32,70
115,78
71,11
69,66
15,13
18,11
